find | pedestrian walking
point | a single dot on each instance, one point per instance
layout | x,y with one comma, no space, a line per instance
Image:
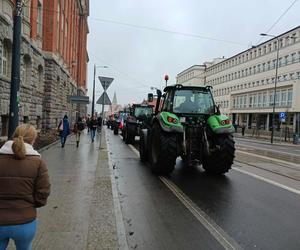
243,129
93,126
88,119
78,128
64,130
24,187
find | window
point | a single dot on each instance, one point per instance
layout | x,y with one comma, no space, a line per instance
271,98
39,20
290,97
250,101
286,60
283,100
4,52
40,78
277,98
259,104
57,27
264,100
26,70
293,57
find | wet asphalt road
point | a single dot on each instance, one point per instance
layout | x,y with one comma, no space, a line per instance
255,214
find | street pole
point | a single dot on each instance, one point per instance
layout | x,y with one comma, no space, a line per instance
275,89
93,99
15,71
102,119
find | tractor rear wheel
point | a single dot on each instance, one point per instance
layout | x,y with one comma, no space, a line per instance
219,161
163,151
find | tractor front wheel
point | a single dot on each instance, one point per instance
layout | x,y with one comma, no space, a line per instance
163,151
219,161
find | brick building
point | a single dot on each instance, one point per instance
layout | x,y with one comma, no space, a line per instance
53,59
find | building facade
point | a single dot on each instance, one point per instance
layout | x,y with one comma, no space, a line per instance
48,73
194,75
244,84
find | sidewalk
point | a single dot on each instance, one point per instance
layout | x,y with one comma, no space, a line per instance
80,210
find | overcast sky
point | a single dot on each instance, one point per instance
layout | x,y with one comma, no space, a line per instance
138,58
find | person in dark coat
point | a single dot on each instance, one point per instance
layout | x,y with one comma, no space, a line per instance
93,127
78,128
64,130
24,187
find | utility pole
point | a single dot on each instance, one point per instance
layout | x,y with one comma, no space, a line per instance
93,99
15,71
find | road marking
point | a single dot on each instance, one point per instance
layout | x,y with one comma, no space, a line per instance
295,191
269,158
219,234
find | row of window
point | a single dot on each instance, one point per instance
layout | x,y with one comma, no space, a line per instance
281,78
257,52
262,67
264,99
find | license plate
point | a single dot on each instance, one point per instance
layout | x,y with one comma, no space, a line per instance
182,119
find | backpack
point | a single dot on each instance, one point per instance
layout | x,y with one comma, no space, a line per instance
80,126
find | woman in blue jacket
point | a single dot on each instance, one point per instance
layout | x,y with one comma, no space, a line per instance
64,130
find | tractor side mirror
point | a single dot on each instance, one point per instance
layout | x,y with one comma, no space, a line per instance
150,97
218,112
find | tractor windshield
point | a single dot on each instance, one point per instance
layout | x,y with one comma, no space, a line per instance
193,101
143,111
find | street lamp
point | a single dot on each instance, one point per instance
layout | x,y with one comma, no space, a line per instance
275,84
93,100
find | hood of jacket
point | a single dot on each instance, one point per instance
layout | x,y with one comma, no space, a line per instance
7,149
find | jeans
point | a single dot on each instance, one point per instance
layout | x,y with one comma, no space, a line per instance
78,136
93,132
22,235
63,140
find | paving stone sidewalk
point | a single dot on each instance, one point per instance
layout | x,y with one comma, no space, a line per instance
80,211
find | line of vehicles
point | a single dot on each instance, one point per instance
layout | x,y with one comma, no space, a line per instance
186,123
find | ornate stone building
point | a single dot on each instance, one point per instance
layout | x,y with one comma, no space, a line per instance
53,60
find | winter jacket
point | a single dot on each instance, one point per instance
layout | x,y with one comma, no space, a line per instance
66,127
93,124
24,185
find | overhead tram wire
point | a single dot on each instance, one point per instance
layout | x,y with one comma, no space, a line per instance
120,71
166,31
278,19
149,28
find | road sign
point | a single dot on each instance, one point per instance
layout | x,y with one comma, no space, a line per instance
80,99
105,81
282,116
104,99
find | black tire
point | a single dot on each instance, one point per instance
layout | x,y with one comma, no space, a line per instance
163,151
129,137
143,149
219,162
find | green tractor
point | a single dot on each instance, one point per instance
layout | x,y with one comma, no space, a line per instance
187,123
